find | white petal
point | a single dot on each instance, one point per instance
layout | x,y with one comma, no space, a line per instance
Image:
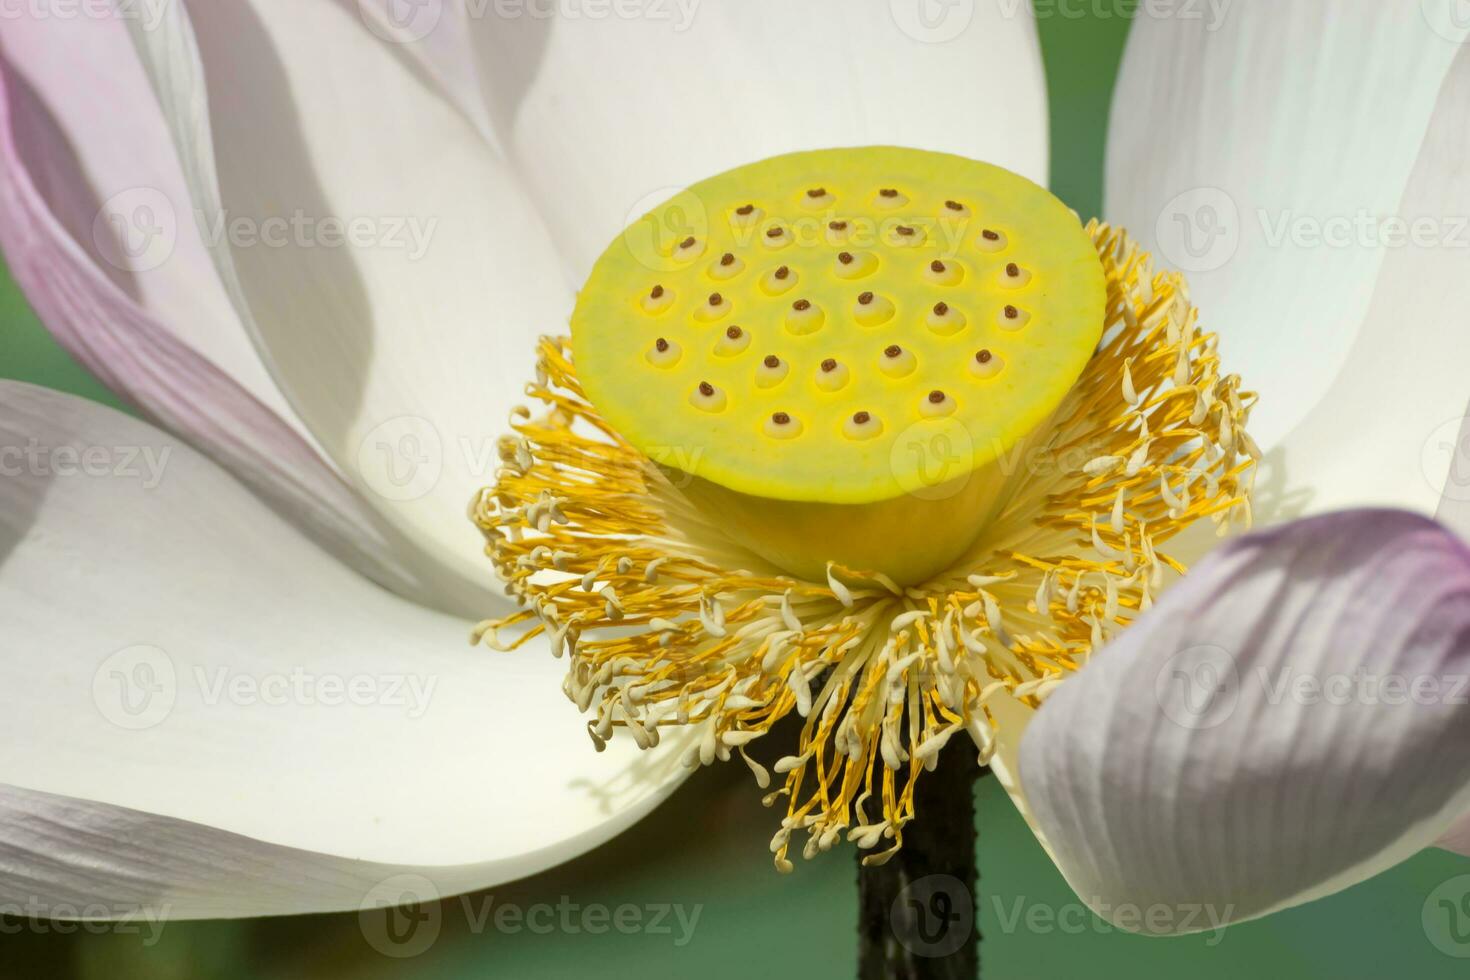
146,312
1288,720
608,115
1261,152
404,347
285,730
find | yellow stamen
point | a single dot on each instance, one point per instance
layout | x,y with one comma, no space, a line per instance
668,621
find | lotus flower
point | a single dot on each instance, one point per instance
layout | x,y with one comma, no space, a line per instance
313,242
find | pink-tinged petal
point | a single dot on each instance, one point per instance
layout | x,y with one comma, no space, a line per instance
236,724
606,116
83,187
1288,720
404,344
1283,155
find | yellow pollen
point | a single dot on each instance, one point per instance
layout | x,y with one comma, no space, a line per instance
672,624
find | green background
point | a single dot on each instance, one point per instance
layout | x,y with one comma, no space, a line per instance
707,846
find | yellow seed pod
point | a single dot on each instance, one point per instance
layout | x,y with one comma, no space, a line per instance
960,300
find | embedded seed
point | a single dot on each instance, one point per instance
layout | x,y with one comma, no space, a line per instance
727,259
936,265
1012,312
941,308
661,345
893,350
782,272
936,396
745,209
781,418
829,365
706,389
733,333
844,257
861,418
772,361
656,292
989,235
865,298
801,304
983,356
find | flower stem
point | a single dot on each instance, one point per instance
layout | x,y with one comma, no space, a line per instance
917,914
